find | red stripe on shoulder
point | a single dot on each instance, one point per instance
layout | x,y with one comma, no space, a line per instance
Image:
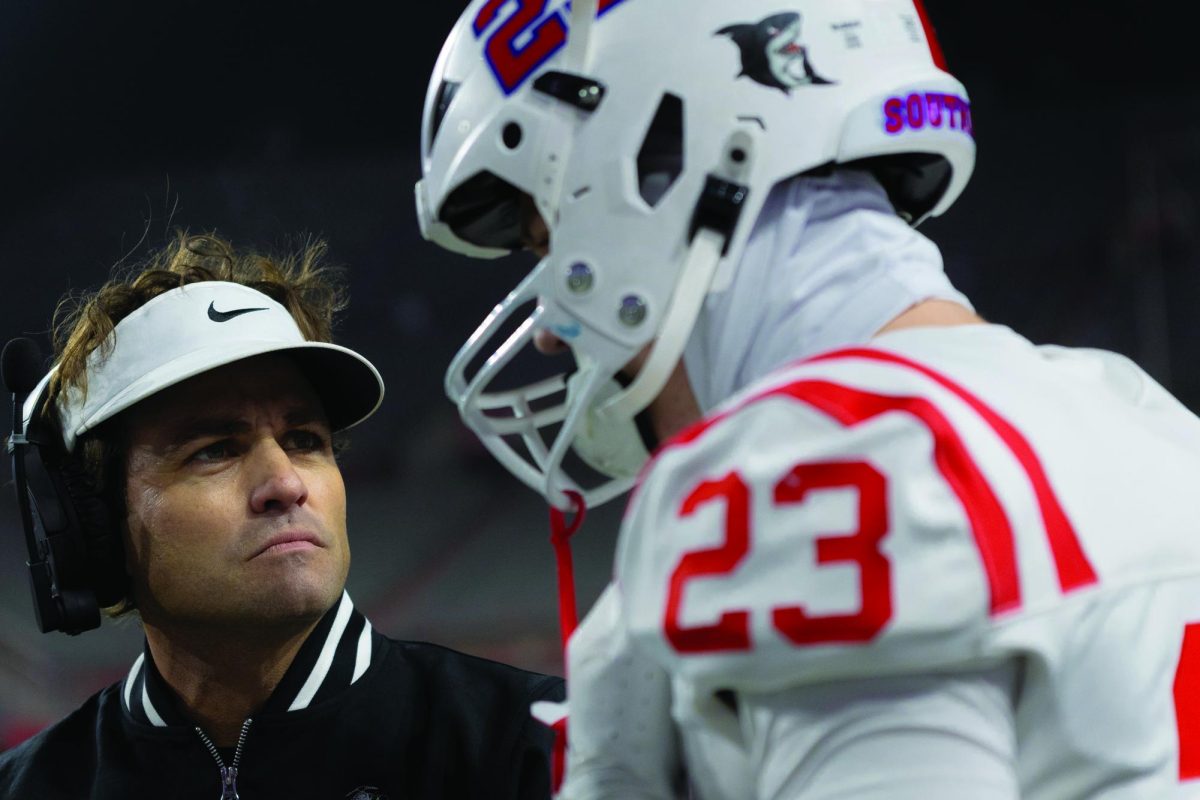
990,527
1187,703
1074,568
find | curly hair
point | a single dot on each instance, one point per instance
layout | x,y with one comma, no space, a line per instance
300,281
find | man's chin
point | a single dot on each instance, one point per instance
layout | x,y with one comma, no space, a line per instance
299,597
290,600
300,576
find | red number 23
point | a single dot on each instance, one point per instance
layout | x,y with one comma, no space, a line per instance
732,629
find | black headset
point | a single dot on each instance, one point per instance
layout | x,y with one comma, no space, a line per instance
76,560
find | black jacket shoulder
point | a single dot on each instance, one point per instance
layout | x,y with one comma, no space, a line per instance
473,710
423,721
37,766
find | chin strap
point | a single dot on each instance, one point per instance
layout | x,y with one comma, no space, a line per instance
713,223
690,291
583,14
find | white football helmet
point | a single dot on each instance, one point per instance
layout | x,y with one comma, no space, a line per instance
647,134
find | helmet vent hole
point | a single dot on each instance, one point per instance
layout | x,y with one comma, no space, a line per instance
660,159
512,135
441,105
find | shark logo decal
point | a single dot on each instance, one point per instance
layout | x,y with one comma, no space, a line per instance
772,54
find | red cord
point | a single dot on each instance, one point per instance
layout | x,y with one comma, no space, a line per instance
560,536
561,532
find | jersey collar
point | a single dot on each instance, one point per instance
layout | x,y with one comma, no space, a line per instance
333,657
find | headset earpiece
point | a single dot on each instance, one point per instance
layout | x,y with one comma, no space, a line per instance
75,560
101,534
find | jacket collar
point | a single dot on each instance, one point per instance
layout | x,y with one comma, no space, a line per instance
333,657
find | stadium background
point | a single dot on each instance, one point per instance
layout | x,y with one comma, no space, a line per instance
120,121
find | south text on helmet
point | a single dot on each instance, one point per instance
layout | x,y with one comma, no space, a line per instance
921,110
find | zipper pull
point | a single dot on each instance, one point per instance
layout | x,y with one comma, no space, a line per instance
228,774
229,783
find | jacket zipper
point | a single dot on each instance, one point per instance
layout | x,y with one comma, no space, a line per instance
228,774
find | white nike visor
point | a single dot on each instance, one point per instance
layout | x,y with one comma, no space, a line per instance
193,329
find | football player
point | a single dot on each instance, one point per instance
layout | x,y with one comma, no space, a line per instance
884,549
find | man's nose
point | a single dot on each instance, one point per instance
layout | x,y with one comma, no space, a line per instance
547,343
277,486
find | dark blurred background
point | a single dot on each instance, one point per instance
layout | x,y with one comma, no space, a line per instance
121,121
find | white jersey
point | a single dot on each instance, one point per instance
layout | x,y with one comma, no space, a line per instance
945,509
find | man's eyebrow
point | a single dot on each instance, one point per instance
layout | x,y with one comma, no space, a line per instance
199,427
302,415
192,428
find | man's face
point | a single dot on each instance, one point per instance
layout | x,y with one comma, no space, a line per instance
236,510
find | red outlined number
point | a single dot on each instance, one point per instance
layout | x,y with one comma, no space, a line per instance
861,547
511,65
1187,703
987,519
732,630
487,15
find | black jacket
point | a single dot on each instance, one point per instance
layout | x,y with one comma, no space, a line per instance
357,716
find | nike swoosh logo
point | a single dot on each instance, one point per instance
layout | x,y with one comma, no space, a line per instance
225,316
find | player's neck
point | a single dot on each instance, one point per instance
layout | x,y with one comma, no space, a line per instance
828,264
933,314
223,678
